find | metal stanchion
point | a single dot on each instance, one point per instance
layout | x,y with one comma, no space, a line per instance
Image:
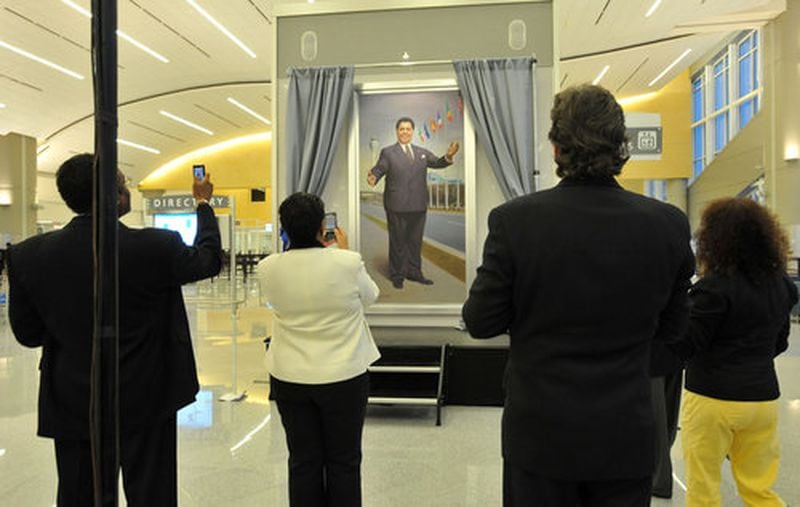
234,395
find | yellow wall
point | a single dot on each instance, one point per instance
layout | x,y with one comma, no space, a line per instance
235,166
674,104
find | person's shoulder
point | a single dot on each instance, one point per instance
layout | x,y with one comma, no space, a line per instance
343,255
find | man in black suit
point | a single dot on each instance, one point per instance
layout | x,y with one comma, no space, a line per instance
583,277
51,293
405,199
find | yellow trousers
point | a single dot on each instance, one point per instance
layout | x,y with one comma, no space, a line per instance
745,431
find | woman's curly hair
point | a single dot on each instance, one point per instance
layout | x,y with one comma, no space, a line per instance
589,131
738,235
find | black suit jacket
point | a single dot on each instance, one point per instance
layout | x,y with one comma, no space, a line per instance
51,291
583,277
406,188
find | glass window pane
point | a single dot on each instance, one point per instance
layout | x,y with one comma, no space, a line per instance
698,144
745,113
720,91
697,101
720,132
745,75
755,70
744,46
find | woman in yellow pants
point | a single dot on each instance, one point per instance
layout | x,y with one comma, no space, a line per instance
739,322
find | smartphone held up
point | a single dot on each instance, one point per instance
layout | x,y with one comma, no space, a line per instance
199,171
330,226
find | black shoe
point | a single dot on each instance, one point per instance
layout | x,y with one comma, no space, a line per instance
421,279
397,283
659,494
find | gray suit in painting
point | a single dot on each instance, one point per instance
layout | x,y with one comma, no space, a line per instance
405,198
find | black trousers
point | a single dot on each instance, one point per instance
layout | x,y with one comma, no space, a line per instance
522,488
323,424
405,243
666,396
149,468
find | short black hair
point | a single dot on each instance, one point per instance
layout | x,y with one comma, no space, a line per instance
74,182
301,216
404,119
589,131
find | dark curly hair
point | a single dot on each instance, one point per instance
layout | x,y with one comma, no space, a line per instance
588,131
301,216
738,235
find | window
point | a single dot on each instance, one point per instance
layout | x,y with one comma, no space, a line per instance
657,189
725,96
698,150
747,87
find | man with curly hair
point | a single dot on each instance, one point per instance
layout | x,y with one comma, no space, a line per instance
584,278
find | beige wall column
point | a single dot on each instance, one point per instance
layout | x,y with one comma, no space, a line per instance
17,188
677,192
783,68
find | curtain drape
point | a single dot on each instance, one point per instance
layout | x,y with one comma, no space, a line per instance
499,97
319,104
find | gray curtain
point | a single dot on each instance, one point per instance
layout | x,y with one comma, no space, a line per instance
499,97
319,103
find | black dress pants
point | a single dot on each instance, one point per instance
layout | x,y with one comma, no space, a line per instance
666,395
522,488
323,424
148,461
406,230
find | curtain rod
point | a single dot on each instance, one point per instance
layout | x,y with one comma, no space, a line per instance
411,63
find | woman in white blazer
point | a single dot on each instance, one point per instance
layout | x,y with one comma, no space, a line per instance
318,358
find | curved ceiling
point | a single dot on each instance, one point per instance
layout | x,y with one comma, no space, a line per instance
205,67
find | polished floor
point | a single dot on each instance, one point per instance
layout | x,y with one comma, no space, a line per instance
232,453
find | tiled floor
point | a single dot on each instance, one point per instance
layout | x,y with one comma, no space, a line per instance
233,453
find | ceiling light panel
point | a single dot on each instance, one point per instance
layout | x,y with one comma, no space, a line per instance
601,75
44,61
219,26
652,8
185,122
138,146
122,35
670,66
248,110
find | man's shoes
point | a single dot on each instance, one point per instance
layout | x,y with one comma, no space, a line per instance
662,494
397,283
421,279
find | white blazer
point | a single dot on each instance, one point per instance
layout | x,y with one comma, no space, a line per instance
319,331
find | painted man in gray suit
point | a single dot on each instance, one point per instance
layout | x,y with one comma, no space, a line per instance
405,198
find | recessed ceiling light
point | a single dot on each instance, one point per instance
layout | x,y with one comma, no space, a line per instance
41,149
155,54
186,122
628,101
406,56
248,110
652,8
669,67
221,28
121,34
138,146
311,1
39,59
601,75
2,105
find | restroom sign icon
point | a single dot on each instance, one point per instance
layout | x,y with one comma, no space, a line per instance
647,140
644,141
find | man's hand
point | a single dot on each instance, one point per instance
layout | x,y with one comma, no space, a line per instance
202,190
452,150
341,239
371,179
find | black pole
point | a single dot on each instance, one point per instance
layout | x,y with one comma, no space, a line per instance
104,417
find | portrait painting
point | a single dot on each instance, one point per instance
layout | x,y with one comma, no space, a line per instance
412,194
